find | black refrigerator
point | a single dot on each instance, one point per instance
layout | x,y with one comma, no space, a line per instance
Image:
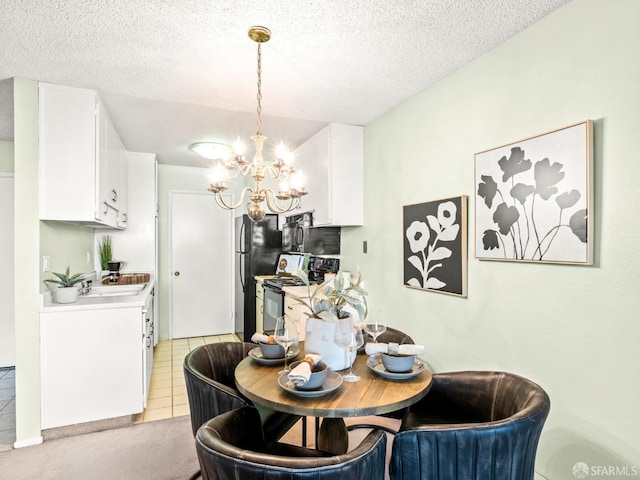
257,246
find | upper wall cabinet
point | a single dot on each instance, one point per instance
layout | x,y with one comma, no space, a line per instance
332,161
81,160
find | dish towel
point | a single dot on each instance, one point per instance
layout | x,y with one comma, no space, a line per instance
269,339
393,349
262,338
301,374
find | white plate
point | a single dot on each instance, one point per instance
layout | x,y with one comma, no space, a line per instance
332,381
378,367
256,354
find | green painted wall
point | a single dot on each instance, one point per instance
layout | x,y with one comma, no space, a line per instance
573,329
27,279
66,245
6,156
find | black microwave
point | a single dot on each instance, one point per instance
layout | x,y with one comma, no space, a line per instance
292,237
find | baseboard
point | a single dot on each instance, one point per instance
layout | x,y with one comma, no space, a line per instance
87,427
29,442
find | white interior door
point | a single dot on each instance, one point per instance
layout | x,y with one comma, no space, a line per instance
7,309
201,235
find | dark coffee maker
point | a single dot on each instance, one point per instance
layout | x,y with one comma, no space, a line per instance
114,271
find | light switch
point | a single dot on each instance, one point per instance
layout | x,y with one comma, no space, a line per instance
46,262
88,256
364,246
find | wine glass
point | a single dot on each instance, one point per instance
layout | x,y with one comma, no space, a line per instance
285,334
350,338
375,329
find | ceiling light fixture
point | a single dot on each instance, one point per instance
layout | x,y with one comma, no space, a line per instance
211,150
288,195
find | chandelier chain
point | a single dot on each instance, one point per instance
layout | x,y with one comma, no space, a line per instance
259,95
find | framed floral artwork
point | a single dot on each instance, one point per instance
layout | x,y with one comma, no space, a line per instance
435,245
533,198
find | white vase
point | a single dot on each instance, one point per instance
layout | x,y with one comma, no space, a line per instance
319,338
65,294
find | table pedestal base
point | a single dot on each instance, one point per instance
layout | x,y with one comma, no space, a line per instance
333,436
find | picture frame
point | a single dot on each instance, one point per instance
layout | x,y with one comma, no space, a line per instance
435,245
534,200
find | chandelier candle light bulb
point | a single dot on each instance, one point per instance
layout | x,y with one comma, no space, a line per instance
233,165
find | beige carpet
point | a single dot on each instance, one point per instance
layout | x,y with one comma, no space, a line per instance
162,450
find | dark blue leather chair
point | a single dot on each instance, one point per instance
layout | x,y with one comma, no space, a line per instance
232,445
471,426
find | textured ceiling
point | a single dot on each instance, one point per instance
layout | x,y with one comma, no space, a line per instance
185,70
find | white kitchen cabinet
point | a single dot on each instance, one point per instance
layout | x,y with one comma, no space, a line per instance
92,364
332,162
136,245
123,207
81,157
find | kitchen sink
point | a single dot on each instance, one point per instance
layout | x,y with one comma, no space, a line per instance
116,290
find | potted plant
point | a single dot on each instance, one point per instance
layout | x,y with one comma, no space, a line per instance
105,251
327,305
67,291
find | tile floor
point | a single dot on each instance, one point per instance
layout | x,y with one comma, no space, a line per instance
7,408
167,391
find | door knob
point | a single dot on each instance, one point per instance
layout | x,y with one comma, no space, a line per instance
177,274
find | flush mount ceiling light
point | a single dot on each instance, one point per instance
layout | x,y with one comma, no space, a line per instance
290,190
211,150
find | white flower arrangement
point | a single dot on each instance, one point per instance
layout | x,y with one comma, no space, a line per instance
327,300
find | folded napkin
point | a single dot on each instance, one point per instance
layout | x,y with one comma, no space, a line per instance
406,349
301,374
261,338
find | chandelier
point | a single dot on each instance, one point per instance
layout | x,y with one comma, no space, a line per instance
234,165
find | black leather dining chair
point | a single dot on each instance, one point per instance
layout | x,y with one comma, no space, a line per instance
211,390
232,445
471,426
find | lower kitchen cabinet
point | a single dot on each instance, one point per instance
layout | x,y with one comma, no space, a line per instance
92,364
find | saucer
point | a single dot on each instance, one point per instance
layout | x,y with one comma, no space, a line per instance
256,354
331,382
418,368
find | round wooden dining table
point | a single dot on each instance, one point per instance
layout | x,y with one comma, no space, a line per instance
372,395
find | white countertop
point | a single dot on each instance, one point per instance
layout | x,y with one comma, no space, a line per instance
262,278
299,292
95,303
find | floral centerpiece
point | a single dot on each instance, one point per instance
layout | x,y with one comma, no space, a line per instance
329,299
327,304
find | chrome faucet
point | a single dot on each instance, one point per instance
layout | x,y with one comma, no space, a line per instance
85,286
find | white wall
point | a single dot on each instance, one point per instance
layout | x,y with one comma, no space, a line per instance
7,316
172,177
7,291
572,329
